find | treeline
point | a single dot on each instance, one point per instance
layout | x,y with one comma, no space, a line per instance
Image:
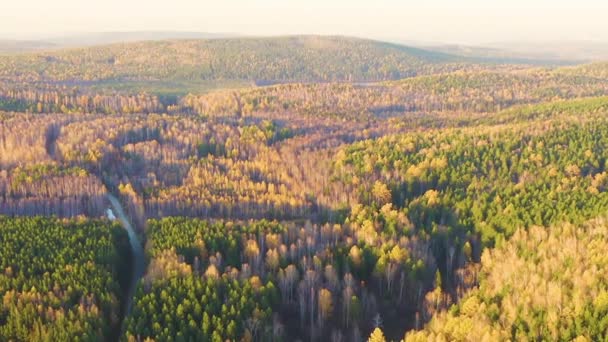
69,100
46,189
60,280
464,91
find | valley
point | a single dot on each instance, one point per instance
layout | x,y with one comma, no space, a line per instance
306,188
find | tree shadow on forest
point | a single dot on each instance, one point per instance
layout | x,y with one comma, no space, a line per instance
247,210
447,229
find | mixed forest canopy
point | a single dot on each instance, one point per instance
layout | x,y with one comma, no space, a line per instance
300,188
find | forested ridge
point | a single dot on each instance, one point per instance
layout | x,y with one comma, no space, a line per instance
277,59
345,188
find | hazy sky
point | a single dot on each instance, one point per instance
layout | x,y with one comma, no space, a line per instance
462,21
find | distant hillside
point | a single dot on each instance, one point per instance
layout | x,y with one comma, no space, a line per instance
582,51
100,38
504,55
21,46
260,60
104,38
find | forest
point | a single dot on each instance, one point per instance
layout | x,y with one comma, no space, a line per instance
60,280
302,188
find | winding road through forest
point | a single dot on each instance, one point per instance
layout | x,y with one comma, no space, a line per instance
136,249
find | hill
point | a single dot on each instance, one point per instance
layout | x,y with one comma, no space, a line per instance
260,60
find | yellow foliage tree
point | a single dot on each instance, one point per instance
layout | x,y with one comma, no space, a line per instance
377,336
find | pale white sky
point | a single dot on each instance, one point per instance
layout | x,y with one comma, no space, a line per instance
460,21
